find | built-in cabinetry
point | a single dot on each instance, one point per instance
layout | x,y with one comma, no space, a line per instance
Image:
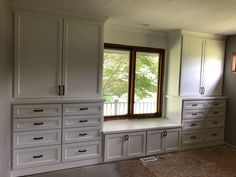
55,54
140,143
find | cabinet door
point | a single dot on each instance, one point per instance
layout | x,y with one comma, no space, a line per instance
172,140
82,50
38,54
213,67
154,142
115,147
191,66
136,144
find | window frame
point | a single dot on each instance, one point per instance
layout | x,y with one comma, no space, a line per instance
131,85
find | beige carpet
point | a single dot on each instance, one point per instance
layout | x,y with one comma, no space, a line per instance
219,161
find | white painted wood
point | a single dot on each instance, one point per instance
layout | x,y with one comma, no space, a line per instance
81,151
192,137
194,104
172,140
193,125
216,104
115,147
215,123
38,55
32,157
81,134
155,143
213,66
36,110
36,138
81,58
214,113
136,144
214,134
82,109
193,114
36,124
81,121
192,53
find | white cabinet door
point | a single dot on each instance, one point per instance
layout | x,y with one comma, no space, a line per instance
213,66
154,142
172,140
81,65
38,55
192,51
136,144
115,147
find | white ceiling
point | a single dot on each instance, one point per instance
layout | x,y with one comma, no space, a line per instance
210,16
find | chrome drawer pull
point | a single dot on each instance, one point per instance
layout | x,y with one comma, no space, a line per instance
83,134
193,137
38,123
37,156
214,134
83,109
82,150
38,110
215,122
193,124
194,104
83,121
194,114
38,138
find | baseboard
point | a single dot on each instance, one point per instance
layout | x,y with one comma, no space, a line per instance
230,145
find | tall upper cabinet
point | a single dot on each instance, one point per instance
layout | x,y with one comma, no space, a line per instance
57,56
195,65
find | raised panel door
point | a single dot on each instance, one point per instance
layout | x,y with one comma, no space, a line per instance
154,142
136,144
172,140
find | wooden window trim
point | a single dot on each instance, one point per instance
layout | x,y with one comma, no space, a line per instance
133,50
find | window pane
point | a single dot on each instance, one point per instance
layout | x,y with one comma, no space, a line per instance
146,79
115,82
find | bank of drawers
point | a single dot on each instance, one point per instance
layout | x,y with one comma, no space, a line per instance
203,121
46,134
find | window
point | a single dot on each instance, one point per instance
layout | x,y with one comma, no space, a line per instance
132,81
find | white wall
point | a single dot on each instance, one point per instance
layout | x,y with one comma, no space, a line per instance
229,90
5,90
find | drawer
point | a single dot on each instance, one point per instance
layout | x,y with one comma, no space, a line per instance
215,134
81,151
193,114
36,123
214,113
216,104
190,137
213,123
194,104
81,121
36,138
81,134
36,110
82,109
193,125
39,156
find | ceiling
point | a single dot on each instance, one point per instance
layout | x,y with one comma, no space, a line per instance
209,16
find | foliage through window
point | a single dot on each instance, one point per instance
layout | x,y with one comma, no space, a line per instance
132,81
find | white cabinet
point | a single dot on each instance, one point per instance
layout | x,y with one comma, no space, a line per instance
124,145
195,65
57,56
159,141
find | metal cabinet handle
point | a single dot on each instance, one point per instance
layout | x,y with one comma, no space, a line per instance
193,137
37,156
164,133
84,150
193,124
194,104
38,138
38,123
127,138
83,134
214,134
38,110
215,112
203,90
216,104
194,114
216,122
82,121
83,109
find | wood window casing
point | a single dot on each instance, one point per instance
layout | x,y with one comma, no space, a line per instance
131,84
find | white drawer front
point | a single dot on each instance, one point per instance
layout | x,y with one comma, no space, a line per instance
193,114
194,104
81,121
81,151
81,134
213,123
36,138
37,110
216,104
193,125
82,109
215,134
214,113
36,123
32,157
192,138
